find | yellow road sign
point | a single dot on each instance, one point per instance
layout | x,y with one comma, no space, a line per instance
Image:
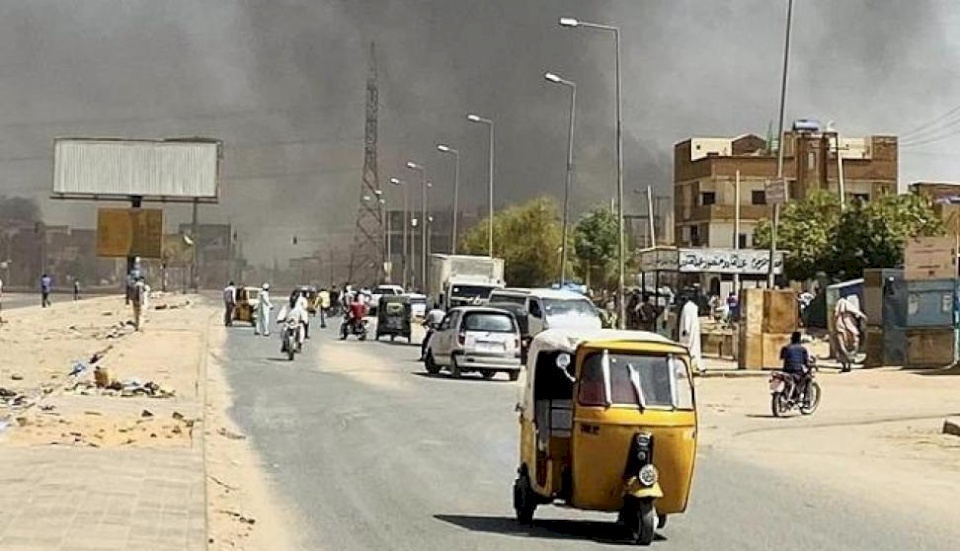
130,232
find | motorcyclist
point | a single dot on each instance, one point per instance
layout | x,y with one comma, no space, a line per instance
295,312
356,312
297,300
797,362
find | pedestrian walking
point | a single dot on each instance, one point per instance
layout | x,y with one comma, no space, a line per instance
76,289
648,314
690,332
323,297
847,317
229,303
138,296
46,284
262,327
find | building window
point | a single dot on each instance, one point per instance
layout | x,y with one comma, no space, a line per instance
695,235
758,197
811,160
708,198
742,241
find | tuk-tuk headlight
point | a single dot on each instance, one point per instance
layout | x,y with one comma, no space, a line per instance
563,360
648,475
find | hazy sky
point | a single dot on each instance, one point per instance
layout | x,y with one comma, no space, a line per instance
282,83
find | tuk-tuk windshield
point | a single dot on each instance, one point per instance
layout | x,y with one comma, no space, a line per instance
645,380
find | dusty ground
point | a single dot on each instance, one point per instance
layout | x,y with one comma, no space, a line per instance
876,435
243,511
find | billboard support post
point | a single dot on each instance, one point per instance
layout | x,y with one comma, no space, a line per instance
136,202
195,266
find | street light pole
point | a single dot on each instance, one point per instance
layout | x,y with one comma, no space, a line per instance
456,193
479,119
783,101
570,22
566,188
423,218
406,227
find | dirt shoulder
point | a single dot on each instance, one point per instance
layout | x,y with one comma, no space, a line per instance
244,511
875,429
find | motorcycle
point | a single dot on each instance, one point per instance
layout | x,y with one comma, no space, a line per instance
357,328
290,340
786,395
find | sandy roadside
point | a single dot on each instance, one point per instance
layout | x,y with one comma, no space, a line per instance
243,510
875,437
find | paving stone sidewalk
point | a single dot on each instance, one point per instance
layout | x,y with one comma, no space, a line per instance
140,497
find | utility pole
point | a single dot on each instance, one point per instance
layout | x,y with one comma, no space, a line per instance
781,182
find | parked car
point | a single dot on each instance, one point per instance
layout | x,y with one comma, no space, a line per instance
475,339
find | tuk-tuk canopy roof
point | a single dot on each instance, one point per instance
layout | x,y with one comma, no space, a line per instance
568,340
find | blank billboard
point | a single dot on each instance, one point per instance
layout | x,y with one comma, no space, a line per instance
166,169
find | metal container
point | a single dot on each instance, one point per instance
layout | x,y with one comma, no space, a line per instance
931,347
931,303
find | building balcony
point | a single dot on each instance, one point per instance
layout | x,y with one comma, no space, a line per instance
706,213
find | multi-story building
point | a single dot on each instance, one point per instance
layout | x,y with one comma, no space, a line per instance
705,174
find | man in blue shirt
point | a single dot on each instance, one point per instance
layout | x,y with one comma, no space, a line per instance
796,361
46,285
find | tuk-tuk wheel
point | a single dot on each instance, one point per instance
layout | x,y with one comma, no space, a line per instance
642,518
488,374
514,375
454,368
393,338
524,500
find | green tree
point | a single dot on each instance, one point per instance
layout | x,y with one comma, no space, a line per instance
527,237
873,235
808,231
595,242
820,237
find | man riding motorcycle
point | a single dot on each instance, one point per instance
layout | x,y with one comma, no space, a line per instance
797,362
296,311
356,312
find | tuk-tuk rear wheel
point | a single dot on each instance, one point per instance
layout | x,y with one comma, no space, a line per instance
514,375
524,500
488,374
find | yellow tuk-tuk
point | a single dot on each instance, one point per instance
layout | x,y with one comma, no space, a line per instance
247,300
608,422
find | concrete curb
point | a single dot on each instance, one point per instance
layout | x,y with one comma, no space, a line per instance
951,426
731,374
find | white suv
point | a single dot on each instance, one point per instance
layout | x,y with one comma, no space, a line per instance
475,338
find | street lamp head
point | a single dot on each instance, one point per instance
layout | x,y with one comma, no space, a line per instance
378,192
445,148
569,22
395,181
473,118
552,77
413,166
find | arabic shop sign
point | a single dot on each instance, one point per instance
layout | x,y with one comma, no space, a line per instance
728,261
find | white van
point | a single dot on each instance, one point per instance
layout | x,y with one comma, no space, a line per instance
551,308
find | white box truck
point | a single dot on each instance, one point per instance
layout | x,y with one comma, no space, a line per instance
457,280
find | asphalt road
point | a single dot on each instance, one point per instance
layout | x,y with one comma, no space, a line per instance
12,301
375,455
